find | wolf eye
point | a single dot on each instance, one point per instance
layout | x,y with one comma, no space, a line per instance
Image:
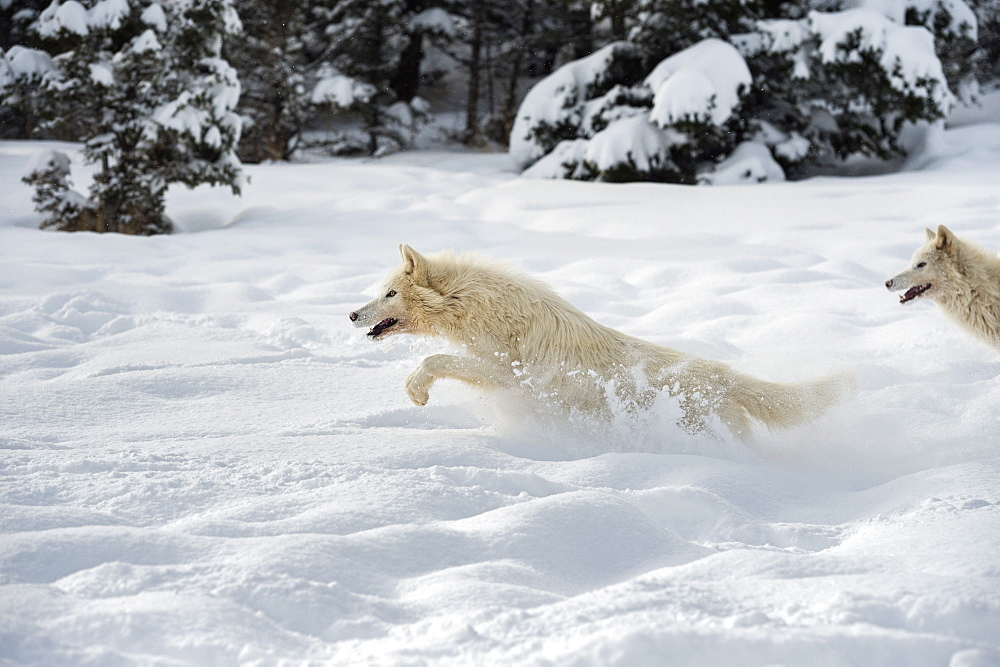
391,294
921,265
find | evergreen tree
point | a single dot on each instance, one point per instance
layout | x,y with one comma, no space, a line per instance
273,63
144,86
578,100
499,44
955,30
350,69
63,208
15,18
811,88
360,71
664,27
988,19
841,84
22,70
481,29
370,35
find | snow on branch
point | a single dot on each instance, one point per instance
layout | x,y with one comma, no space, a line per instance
702,82
906,53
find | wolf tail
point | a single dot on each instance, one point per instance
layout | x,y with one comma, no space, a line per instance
780,404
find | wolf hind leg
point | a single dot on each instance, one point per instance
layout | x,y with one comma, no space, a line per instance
737,420
698,412
441,366
695,424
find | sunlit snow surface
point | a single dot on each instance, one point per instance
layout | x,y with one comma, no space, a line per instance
204,462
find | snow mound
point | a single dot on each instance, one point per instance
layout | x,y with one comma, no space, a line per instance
203,462
751,162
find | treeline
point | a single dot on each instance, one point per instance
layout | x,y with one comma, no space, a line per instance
183,91
727,91
367,68
354,76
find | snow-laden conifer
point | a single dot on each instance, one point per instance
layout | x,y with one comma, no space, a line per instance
143,84
812,88
323,75
21,71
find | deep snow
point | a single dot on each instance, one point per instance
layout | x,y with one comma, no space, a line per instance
203,461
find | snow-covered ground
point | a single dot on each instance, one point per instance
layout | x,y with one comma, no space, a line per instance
204,462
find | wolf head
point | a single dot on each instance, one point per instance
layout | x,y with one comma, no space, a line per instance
933,268
407,303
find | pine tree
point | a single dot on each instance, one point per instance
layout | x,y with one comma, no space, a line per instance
273,60
843,84
578,100
338,74
15,19
955,30
499,44
988,20
662,28
22,70
369,37
367,40
63,208
144,87
807,89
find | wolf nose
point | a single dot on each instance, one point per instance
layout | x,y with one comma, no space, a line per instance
888,285
354,317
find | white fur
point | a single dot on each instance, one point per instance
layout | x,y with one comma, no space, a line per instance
520,334
962,278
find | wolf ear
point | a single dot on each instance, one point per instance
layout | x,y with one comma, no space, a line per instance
931,235
414,264
944,238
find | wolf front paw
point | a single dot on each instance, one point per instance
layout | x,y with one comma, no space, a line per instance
417,386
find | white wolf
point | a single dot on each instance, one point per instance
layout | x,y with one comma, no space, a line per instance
962,278
518,333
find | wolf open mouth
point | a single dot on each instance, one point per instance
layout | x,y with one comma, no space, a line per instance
914,292
382,326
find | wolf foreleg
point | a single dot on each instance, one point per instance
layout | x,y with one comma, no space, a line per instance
439,366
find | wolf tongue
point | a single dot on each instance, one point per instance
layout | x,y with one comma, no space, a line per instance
914,292
382,326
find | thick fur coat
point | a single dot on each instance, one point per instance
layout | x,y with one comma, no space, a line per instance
519,334
962,278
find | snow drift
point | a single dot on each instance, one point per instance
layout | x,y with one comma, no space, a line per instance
204,462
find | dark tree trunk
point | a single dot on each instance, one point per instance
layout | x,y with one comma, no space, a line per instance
475,65
406,81
516,66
